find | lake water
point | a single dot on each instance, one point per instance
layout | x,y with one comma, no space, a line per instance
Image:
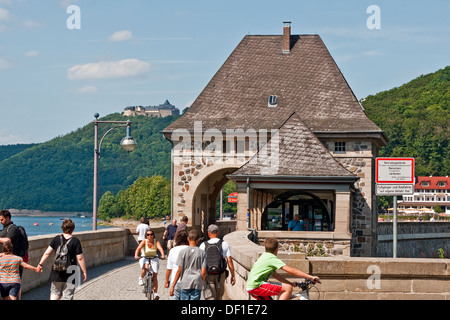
51,225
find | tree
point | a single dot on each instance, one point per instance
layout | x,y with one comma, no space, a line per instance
146,197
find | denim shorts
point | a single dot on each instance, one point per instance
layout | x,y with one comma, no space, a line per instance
10,289
190,294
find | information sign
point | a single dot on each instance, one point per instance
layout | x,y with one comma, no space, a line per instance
395,170
394,189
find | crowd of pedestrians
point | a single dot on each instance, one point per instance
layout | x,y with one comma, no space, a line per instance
65,270
194,267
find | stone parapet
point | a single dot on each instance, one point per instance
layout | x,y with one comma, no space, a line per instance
99,247
351,277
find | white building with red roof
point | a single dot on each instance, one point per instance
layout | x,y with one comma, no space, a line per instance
429,192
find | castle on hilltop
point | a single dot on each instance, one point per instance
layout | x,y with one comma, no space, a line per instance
163,110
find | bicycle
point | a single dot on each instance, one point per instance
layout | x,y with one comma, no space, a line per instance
305,287
148,281
148,284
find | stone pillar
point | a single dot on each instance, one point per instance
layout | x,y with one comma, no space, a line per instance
241,215
343,205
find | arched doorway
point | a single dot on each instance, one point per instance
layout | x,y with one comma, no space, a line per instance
204,203
319,211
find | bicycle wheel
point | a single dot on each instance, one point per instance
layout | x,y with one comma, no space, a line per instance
144,286
149,287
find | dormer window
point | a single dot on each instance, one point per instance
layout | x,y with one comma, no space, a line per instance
340,147
273,101
441,184
425,184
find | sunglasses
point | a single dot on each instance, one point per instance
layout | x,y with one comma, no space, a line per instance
150,234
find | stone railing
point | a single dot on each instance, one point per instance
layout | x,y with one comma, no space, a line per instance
349,277
100,247
415,239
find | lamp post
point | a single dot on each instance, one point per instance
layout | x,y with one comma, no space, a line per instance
128,143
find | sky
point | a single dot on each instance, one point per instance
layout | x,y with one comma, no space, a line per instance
62,61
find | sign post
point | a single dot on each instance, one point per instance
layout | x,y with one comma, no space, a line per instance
394,177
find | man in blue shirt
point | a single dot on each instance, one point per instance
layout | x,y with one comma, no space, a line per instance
298,225
169,235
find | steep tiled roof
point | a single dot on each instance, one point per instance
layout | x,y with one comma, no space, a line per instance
293,151
306,81
432,183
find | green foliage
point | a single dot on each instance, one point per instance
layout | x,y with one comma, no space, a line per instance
438,209
416,119
146,197
58,175
227,207
11,150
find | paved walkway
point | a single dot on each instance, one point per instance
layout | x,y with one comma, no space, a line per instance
114,281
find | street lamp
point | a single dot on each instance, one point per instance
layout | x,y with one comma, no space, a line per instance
128,143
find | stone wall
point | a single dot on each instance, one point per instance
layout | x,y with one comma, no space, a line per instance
345,278
363,206
415,239
100,247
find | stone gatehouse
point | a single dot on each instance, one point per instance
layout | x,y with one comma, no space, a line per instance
280,120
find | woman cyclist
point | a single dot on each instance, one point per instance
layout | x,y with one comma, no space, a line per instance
149,258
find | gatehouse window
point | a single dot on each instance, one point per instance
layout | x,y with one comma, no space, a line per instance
318,210
340,147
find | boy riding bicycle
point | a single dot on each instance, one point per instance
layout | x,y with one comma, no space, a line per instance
266,266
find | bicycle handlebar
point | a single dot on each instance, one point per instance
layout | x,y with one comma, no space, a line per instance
308,282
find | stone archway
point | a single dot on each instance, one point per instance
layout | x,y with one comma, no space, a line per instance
205,198
196,185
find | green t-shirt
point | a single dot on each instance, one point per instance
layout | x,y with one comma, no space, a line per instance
263,268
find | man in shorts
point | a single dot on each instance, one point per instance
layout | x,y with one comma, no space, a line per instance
64,283
266,266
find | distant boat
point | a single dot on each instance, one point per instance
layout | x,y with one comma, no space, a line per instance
36,224
50,224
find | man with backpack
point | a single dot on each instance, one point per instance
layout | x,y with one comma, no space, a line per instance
15,234
218,256
64,276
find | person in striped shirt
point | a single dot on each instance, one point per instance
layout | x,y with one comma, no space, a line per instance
9,272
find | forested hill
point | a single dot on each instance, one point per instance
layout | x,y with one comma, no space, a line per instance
58,175
11,150
416,119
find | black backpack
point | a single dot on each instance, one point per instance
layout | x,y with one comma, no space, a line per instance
62,260
21,245
215,262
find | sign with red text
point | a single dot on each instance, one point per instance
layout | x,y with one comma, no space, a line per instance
394,170
232,197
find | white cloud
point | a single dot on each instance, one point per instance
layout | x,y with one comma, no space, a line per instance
122,35
9,138
5,64
32,53
108,69
4,14
87,89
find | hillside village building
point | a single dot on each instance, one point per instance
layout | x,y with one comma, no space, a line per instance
161,111
429,192
280,119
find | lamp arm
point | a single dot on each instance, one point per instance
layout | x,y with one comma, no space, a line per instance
101,140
